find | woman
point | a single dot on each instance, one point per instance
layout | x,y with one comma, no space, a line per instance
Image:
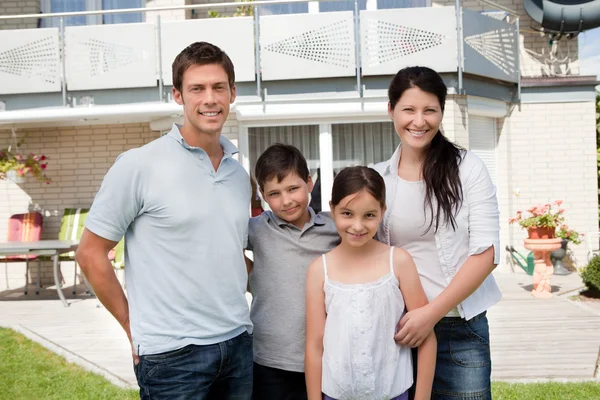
442,209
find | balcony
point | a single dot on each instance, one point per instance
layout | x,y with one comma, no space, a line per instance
292,47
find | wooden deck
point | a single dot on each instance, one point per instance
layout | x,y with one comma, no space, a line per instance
531,339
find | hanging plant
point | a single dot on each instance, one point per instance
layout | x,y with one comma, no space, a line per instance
15,165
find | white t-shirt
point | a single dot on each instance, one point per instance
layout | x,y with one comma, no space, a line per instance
408,230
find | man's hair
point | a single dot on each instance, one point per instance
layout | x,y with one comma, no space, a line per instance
280,160
201,53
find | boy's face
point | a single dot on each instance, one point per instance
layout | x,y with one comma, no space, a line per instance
288,199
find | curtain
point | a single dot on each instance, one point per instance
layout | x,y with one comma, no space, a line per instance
362,144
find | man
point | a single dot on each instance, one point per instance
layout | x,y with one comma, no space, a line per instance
182,203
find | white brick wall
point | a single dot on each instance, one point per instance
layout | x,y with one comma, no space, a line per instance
548,152
16,7
455,122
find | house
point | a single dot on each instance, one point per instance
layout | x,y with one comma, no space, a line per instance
516,96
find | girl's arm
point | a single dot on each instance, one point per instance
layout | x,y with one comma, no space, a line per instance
315,327
484,243
414,298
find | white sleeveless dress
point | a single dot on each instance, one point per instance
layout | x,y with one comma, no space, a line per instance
361,360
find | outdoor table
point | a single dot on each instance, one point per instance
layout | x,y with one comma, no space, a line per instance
52,248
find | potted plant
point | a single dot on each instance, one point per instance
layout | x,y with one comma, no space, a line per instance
15,166
542,221
567,235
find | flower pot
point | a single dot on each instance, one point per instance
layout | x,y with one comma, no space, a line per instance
14,177
541,233
557,257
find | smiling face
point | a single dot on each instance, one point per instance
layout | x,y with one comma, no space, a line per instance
417,117
288,199
357,218
206,97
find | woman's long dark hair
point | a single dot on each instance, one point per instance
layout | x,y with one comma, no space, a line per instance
440,168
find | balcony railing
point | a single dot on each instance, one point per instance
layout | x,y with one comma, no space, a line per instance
288,47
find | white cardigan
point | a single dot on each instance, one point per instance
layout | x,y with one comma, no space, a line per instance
478,226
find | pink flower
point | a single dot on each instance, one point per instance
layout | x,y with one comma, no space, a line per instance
561,210
558,202
42,158
43,166
532,209
20,172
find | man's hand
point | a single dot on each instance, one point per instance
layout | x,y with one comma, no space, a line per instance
414,327
136,358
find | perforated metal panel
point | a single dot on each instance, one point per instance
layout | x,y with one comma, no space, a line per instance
110,56
393,39
491,47
235,36
29,61
307,46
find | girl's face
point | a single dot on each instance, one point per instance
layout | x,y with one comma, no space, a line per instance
357,218
417,117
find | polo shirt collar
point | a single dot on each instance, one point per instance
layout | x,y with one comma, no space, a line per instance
315,219
229,148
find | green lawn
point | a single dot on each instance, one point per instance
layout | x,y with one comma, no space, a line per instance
30,372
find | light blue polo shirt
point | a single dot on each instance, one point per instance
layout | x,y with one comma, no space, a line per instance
185,228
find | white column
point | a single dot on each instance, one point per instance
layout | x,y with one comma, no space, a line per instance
326,155
244,147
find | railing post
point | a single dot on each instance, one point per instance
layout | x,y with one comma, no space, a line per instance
159,55
257,49
63,77
459,34
518,66
357,47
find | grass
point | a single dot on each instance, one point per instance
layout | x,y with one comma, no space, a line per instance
28,371
546,391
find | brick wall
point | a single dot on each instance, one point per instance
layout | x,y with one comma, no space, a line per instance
16,7
536,56
548,152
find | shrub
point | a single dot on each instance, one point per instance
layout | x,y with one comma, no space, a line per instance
591,274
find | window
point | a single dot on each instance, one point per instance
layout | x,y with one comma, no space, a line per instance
381,4
304,137
362,144
327,6
293,8
56,6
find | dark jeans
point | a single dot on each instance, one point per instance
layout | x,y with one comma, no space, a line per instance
221,371
463,366
278,384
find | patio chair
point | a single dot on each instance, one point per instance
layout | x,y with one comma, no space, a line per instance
72,225
25,228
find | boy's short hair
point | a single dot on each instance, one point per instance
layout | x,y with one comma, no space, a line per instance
201,53
279,160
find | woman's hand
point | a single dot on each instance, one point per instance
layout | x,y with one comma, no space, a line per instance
414,326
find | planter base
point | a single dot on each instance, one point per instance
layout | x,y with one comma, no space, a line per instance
543,270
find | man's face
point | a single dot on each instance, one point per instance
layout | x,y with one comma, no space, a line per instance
206,97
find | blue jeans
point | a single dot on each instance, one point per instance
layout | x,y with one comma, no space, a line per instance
464,365
221,371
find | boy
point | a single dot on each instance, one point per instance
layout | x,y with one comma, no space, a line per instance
285,241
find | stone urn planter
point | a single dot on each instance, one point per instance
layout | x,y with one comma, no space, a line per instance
557,257
541,242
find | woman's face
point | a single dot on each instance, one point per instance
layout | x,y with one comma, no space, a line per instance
417,117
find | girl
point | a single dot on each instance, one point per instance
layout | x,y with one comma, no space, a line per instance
355,297
442,209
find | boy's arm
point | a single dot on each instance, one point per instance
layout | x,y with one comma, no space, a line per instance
315,327
414,297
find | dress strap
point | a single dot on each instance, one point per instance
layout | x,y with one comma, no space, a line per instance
325,267
392,260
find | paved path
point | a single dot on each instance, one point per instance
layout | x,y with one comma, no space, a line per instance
531,339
